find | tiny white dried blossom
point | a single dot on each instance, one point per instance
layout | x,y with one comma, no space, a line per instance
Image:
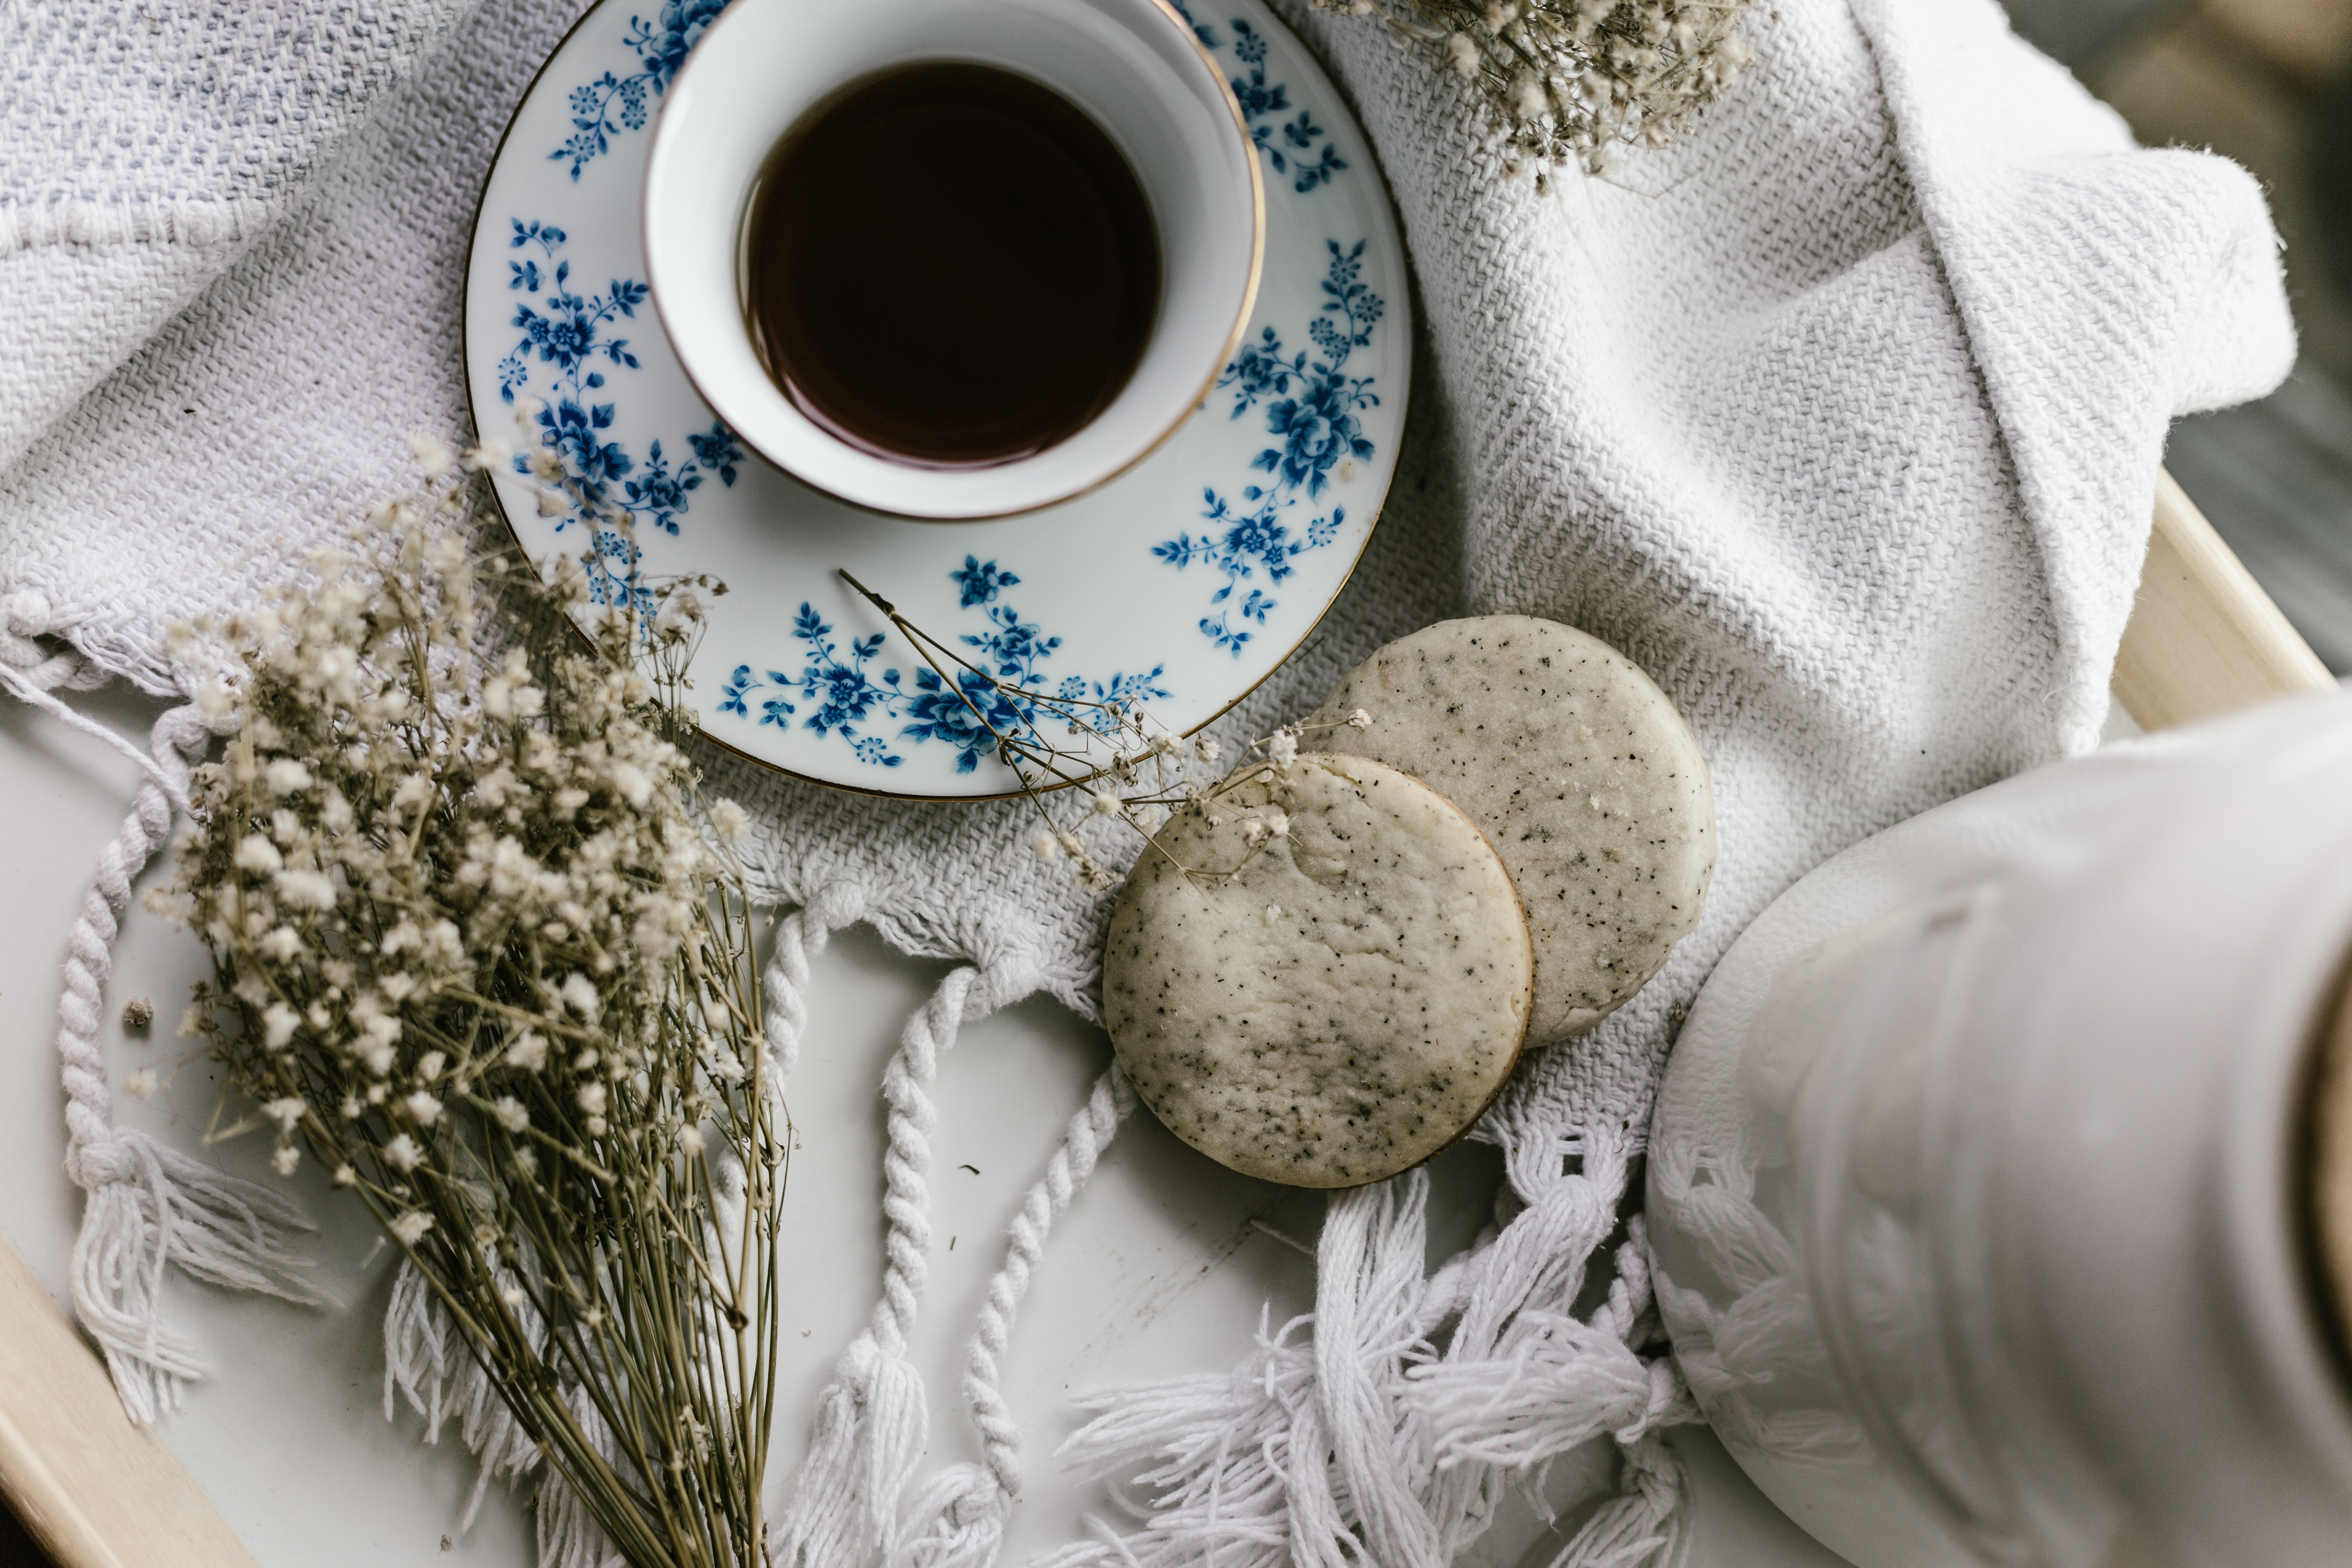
579,993
590,1097
345,1175
1045,845
1206,749
286,1111
410,1228
278,1026
689,1138
1106,802
529,1052
255,853
511,1113
429,1066
285,1158
1282,748
423,1107
432,454
403,1154
306,888
1462,53
142,1083
730,821
287,776
1360,720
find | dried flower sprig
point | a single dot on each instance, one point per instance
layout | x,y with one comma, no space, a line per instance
474,952
1112,756
1570,82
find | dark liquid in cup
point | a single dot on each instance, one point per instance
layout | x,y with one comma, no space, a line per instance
949,264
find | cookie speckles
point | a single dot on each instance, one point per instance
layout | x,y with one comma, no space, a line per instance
1344,1004
1586,779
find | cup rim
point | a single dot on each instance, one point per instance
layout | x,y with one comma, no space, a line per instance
1248,304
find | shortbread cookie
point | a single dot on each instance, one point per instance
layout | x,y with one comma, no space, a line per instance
1324,978
1586,779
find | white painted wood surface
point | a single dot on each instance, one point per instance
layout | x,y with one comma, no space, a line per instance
1159,1269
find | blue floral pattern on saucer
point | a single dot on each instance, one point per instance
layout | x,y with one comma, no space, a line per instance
1313,411
1179,585
832,694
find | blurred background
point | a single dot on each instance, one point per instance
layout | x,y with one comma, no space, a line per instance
2267,83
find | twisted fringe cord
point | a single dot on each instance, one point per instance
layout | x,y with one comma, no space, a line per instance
871,1419
147,1206
957,1520
1368,1444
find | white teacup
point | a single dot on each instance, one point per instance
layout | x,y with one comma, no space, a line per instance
1132,65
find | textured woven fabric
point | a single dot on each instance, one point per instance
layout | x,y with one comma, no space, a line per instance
1841,418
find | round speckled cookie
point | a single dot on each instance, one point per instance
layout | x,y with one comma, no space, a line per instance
1586,779
1334,984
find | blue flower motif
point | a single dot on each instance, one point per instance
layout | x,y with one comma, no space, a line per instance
981,581
1312,410
603,108
661,493
730,696
1014,646
1002,696
717,451
968,716
566,333
1201,30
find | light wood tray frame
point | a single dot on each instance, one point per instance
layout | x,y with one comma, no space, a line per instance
99,1492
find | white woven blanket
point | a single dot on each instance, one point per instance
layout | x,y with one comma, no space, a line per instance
1842,418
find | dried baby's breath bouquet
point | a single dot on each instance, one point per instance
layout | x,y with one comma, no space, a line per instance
1571,82
476,954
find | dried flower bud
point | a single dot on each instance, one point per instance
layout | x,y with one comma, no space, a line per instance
255,853
411,1227
141,1084
432,454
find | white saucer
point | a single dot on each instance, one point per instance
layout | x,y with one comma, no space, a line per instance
1182,584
